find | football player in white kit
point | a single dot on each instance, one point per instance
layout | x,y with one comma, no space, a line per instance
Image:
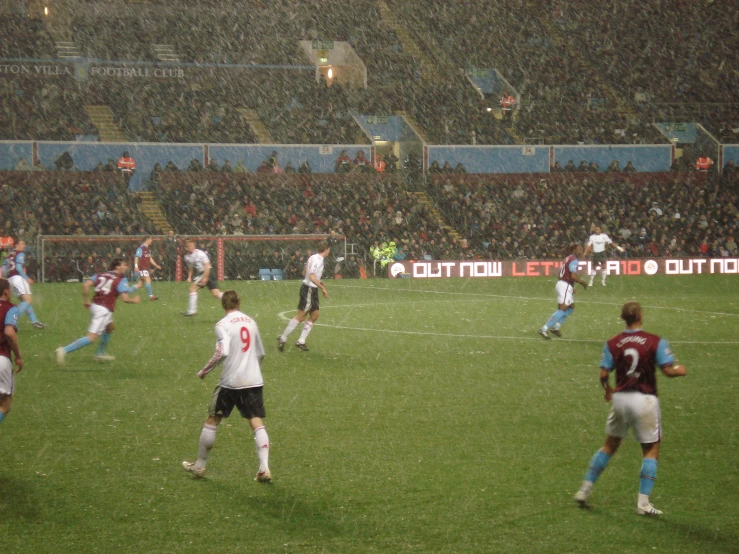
239,347
597,245
308,302
198,261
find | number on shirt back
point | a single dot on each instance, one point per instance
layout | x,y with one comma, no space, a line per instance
104,285
633,353
245,339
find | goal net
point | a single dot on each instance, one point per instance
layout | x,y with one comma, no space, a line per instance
274,257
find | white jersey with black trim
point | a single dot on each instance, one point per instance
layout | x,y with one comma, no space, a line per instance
599,242
197,259
241,347
314,265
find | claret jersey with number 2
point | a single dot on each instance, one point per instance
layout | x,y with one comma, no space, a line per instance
634,355
238,338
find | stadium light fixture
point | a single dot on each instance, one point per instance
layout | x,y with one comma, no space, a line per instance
330,73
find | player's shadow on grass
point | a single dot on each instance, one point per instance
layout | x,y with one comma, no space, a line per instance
712,540
18,500
287,512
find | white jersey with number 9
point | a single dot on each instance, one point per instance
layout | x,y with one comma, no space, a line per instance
241,345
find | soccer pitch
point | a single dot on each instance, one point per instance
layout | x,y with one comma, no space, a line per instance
428,416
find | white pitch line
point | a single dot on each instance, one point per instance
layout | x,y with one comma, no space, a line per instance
511,297
284,317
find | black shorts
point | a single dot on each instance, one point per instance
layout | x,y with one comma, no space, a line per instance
250,402
599,257
210,285
308,302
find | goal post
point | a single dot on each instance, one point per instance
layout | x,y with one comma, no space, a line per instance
72,257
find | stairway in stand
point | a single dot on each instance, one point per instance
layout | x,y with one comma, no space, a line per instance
66,49
102,118
406,39
165,53
151,209
421,198
252,119
414,125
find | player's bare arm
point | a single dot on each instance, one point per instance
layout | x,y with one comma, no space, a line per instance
130,299
604,381
12,340
576,278
189,274
86,292
319,284
206,273
674,370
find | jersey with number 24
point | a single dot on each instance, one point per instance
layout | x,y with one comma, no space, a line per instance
107,287
241,345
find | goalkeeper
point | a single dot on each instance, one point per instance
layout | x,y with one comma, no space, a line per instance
597,246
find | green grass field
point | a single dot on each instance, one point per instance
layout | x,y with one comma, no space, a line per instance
428,417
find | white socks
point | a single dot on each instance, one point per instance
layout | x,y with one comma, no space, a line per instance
262,443
207,440
192,304
307,326
289,329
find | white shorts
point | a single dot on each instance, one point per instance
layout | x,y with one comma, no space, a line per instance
101,317
7,382
565,293
143,272
637,411
19,286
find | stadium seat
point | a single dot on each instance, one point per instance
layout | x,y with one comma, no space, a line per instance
264,274
277,275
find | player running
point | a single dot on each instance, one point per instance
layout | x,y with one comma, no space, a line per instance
198,261
633,354
565,289
597,245
142,262
308,302
9,314
20,282
108,287
239,347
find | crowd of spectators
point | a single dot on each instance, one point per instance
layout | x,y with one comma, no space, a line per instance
24,37
652,214
35,109
578,74
595,75
365,208
68,203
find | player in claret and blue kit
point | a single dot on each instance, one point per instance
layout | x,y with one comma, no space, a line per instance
9,347
107,287
565,289
633,355
142,262
20,282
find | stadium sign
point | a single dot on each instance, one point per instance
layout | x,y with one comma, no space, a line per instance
550,268
84,70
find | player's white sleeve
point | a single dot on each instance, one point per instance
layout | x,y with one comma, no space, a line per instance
608,240
590,240
259,347
223,339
